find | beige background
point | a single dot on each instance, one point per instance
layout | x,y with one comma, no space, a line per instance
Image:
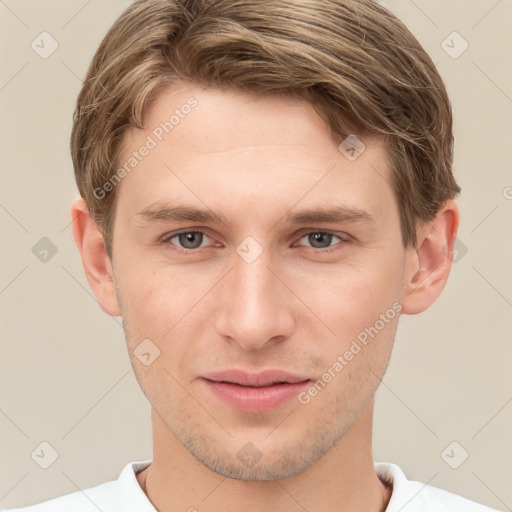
65,376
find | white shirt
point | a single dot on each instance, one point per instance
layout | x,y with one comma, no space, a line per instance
126,495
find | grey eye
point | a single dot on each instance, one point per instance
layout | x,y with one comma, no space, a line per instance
320,238
190,239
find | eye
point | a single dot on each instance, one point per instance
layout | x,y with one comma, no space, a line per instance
187,239
323,239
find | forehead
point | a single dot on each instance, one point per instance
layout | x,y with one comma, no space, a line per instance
223,144
223,118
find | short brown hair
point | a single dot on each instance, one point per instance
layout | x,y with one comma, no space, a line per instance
353,60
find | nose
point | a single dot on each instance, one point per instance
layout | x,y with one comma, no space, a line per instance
255,306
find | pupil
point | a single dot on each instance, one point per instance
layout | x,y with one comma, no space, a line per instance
317,237
187,240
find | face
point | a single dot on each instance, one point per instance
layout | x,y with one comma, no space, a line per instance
259,284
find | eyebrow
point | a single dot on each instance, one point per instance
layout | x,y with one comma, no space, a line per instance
179,213
330,214
335,214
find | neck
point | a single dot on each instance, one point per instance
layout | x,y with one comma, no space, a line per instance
343,479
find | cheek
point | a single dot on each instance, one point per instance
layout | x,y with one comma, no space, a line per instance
349,296
168,305
148,289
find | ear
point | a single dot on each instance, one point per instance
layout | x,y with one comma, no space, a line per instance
95,260
430,262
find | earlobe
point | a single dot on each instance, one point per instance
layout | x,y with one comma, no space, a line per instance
430,262
95,260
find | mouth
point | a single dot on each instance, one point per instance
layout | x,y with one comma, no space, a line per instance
252,386
255,393
261,379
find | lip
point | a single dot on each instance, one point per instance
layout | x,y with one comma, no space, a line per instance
255,392
264,378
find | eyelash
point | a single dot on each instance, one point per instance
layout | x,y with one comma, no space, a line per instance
167,240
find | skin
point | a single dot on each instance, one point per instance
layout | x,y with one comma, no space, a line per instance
253,160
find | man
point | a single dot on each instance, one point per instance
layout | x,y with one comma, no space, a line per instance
266,187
